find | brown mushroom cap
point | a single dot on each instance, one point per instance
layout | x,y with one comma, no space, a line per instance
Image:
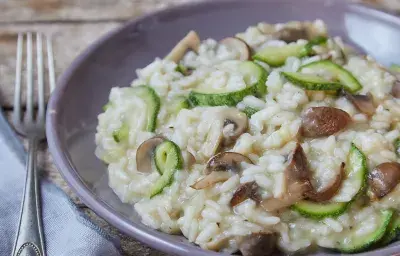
219,168
292,34
190,41
330,191
384,178
235,124
323,121
239,45
396,89
245,191
260,244
226,161
363,103
144,154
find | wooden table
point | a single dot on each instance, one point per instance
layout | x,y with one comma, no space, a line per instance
74,24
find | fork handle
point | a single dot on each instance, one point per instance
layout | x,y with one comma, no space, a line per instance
30,237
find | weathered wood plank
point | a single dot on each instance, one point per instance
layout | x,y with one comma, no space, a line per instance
95,10
68,41
83,10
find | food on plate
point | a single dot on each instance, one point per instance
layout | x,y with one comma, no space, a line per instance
279,139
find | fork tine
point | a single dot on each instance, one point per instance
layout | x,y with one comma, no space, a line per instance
39,59
29,74
17,91
50,59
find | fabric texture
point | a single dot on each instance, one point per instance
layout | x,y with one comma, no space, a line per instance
67,230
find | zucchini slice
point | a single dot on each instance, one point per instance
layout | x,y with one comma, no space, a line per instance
353,243
276,56
319,210
356,171
393,231
344,77
220,99
168,159
177,104
254,76
397,146
152,105
152,108
311,82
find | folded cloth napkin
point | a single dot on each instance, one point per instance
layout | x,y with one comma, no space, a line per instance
68,232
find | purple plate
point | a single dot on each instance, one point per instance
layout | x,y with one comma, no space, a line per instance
83,89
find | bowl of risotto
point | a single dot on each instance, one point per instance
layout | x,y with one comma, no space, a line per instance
239,128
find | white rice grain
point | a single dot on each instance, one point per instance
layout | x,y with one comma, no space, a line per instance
335,225
207,233
230,184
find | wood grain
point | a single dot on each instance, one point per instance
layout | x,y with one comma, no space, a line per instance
78,10
68,41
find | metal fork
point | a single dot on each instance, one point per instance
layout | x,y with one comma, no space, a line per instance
30,236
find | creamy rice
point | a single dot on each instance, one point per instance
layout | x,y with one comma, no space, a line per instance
205,216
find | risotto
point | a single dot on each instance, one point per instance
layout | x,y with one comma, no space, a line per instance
278,139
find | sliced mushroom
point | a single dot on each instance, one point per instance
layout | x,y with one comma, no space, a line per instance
260,244
297,175
323,121
248,190
238,45
363,103
220,167
291,34
330,191
384,178
211,179
297,169
145,152
298,184
190,41
396,89
235,124
226,161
